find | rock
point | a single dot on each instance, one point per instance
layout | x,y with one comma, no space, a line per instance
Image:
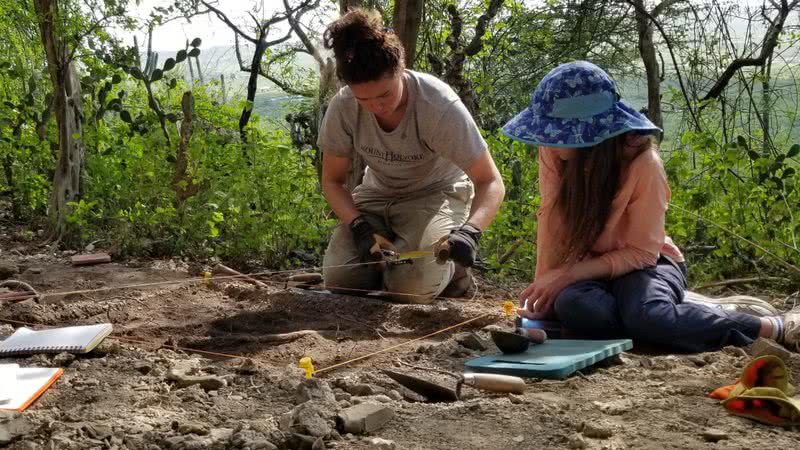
95,431
664,363
615,407
381,444
519,439
763,346
8,269
174,441
735,351
6,330
319,444
35,270
471,341
290,377
207,382
314,389
382,398
60,440
698,361
394,395
143,367
192,428
13,426
342,396
576,442
361,390
714,435
248,367
596,430
301,442
285,421
312,419
251,439
516,399
63,359
364,418
90,382
262,444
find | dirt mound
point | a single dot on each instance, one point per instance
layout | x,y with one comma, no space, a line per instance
151,396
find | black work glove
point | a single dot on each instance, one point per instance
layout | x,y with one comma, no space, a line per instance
368,240
463,244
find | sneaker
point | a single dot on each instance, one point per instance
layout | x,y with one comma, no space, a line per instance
791,329
735,303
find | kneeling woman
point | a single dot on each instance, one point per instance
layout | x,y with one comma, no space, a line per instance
605,266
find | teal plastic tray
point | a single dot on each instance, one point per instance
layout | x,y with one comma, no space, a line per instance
555,359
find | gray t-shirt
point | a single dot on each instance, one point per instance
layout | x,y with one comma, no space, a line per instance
436,139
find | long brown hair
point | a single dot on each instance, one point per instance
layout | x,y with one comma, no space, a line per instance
363,48
589,183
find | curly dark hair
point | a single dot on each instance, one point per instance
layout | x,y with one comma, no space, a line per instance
363,48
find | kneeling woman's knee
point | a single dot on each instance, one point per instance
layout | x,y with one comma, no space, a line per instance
570,307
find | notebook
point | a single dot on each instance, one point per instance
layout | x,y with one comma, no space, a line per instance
19,387
78,339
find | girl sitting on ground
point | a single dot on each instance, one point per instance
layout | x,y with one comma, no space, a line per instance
605,266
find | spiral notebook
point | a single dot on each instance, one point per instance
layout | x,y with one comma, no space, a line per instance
77,339
21,386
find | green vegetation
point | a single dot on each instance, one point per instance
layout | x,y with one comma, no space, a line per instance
255,196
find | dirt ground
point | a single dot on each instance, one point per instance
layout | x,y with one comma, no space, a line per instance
126,395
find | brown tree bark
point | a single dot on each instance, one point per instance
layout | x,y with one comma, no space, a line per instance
647,50
453,67
69,117
182,182
406,20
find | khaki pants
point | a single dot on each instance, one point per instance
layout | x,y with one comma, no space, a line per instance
414,223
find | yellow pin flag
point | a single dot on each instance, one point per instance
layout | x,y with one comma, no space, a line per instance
508,308
207,279
307,365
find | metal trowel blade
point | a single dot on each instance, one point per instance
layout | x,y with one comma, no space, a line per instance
432,391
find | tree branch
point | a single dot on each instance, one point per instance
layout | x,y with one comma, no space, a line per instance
480,29
301,34
221,16
284,85
663,6
767,48
238,52
279,40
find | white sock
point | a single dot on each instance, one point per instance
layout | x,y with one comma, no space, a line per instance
777,328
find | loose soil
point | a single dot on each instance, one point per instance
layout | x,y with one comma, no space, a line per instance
120,396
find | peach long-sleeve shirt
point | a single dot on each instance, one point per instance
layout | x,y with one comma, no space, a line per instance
634,235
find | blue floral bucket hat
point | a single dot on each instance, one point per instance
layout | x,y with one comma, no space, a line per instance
576,105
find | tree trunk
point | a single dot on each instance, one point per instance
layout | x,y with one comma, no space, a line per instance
647,50
766,104
182,182
252,84
69,116
199,70
407,17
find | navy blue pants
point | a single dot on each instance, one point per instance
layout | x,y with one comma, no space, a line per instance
647,306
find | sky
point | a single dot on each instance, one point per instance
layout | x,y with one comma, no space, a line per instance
211,30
